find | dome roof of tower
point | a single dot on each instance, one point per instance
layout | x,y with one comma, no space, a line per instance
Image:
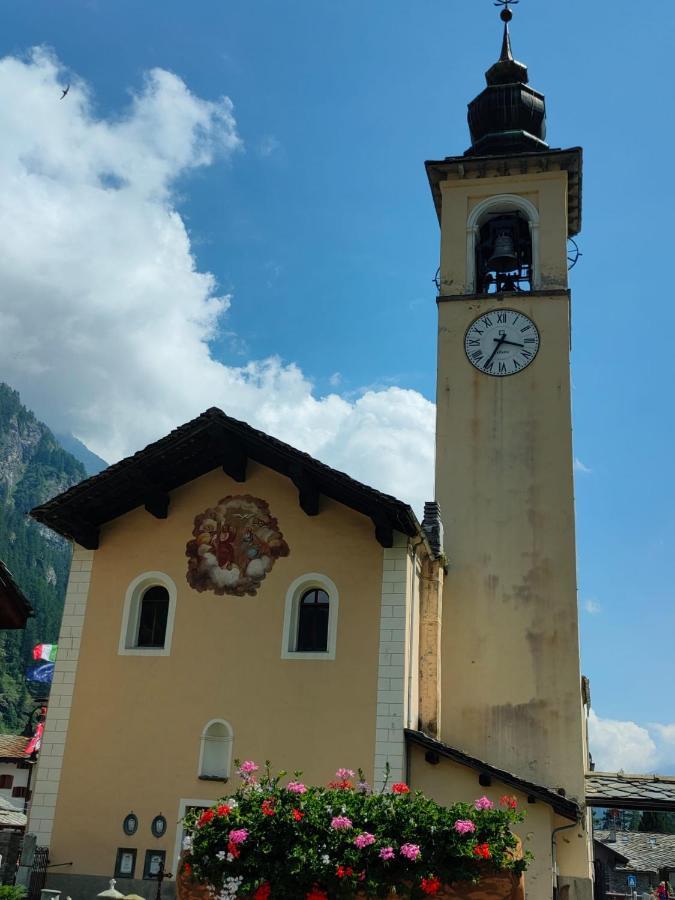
508,116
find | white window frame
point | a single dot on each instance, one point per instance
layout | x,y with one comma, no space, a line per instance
295,592
182,807
492,206
132,610
230,742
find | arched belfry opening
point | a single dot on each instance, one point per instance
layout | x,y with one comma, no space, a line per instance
504,254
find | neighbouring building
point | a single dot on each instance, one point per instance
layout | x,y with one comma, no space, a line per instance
230,596
15,610
638,858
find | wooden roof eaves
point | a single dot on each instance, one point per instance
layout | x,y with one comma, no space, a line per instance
19,607
207,442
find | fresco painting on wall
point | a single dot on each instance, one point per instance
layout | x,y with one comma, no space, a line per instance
234,546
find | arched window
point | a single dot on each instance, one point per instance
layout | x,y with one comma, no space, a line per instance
503,245
147,619
310,618
153,617
215,754
313,621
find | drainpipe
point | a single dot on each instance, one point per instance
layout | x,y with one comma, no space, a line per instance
554,854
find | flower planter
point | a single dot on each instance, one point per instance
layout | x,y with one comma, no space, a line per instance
492,886
311,843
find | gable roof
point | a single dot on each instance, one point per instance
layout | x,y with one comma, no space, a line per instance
211,440
614,790
645,851
13,747
560,804
10,815
14,607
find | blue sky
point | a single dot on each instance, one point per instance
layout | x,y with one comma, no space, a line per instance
316,221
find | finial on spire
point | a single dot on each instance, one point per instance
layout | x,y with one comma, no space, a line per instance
506,15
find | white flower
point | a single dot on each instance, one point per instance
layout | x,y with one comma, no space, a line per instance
221,855
187,842
325,859
230,857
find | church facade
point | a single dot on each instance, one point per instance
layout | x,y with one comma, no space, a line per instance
232,597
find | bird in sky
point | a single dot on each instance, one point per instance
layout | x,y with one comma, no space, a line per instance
63,94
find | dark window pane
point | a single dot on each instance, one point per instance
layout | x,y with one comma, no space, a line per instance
152,620
6,781
313,622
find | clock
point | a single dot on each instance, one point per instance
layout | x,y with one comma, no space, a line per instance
501,342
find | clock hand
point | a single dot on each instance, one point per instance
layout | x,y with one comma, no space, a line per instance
499,342
512,343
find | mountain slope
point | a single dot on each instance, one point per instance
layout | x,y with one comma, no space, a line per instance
33,468
91,462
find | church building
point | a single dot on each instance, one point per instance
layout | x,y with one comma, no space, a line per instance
232,597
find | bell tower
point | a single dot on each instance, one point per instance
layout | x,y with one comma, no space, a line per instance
511,684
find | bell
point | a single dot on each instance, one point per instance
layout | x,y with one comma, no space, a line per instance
504,257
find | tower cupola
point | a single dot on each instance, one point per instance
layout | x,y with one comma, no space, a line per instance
508,116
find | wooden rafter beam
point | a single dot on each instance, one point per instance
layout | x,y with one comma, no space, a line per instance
234,459
383,530
308,492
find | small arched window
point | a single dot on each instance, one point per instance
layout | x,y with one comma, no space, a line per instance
148,616
215,754
153,617
310,618
313,621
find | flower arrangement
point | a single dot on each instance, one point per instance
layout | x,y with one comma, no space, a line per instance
288,841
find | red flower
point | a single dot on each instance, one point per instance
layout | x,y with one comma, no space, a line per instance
267,807
223,810
344,785
400,788
343,871
207,816
317,894
482,850
297,815
431,885
187,868
511,802
233,850
263,892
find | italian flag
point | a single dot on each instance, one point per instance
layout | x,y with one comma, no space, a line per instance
45,651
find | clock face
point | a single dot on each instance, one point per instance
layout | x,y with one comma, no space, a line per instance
501,342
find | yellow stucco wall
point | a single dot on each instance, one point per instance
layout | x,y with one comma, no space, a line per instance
134,734
448,783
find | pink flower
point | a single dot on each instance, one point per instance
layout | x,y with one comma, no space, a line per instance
411,851
343,774
484,803
387,853
364,840
296,787
239,835
341,823
248,767
464,826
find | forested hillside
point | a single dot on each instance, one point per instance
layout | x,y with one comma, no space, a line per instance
33,467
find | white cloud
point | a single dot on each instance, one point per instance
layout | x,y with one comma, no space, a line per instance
617,745
335,379
592,607
268,146
105,320
580,467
